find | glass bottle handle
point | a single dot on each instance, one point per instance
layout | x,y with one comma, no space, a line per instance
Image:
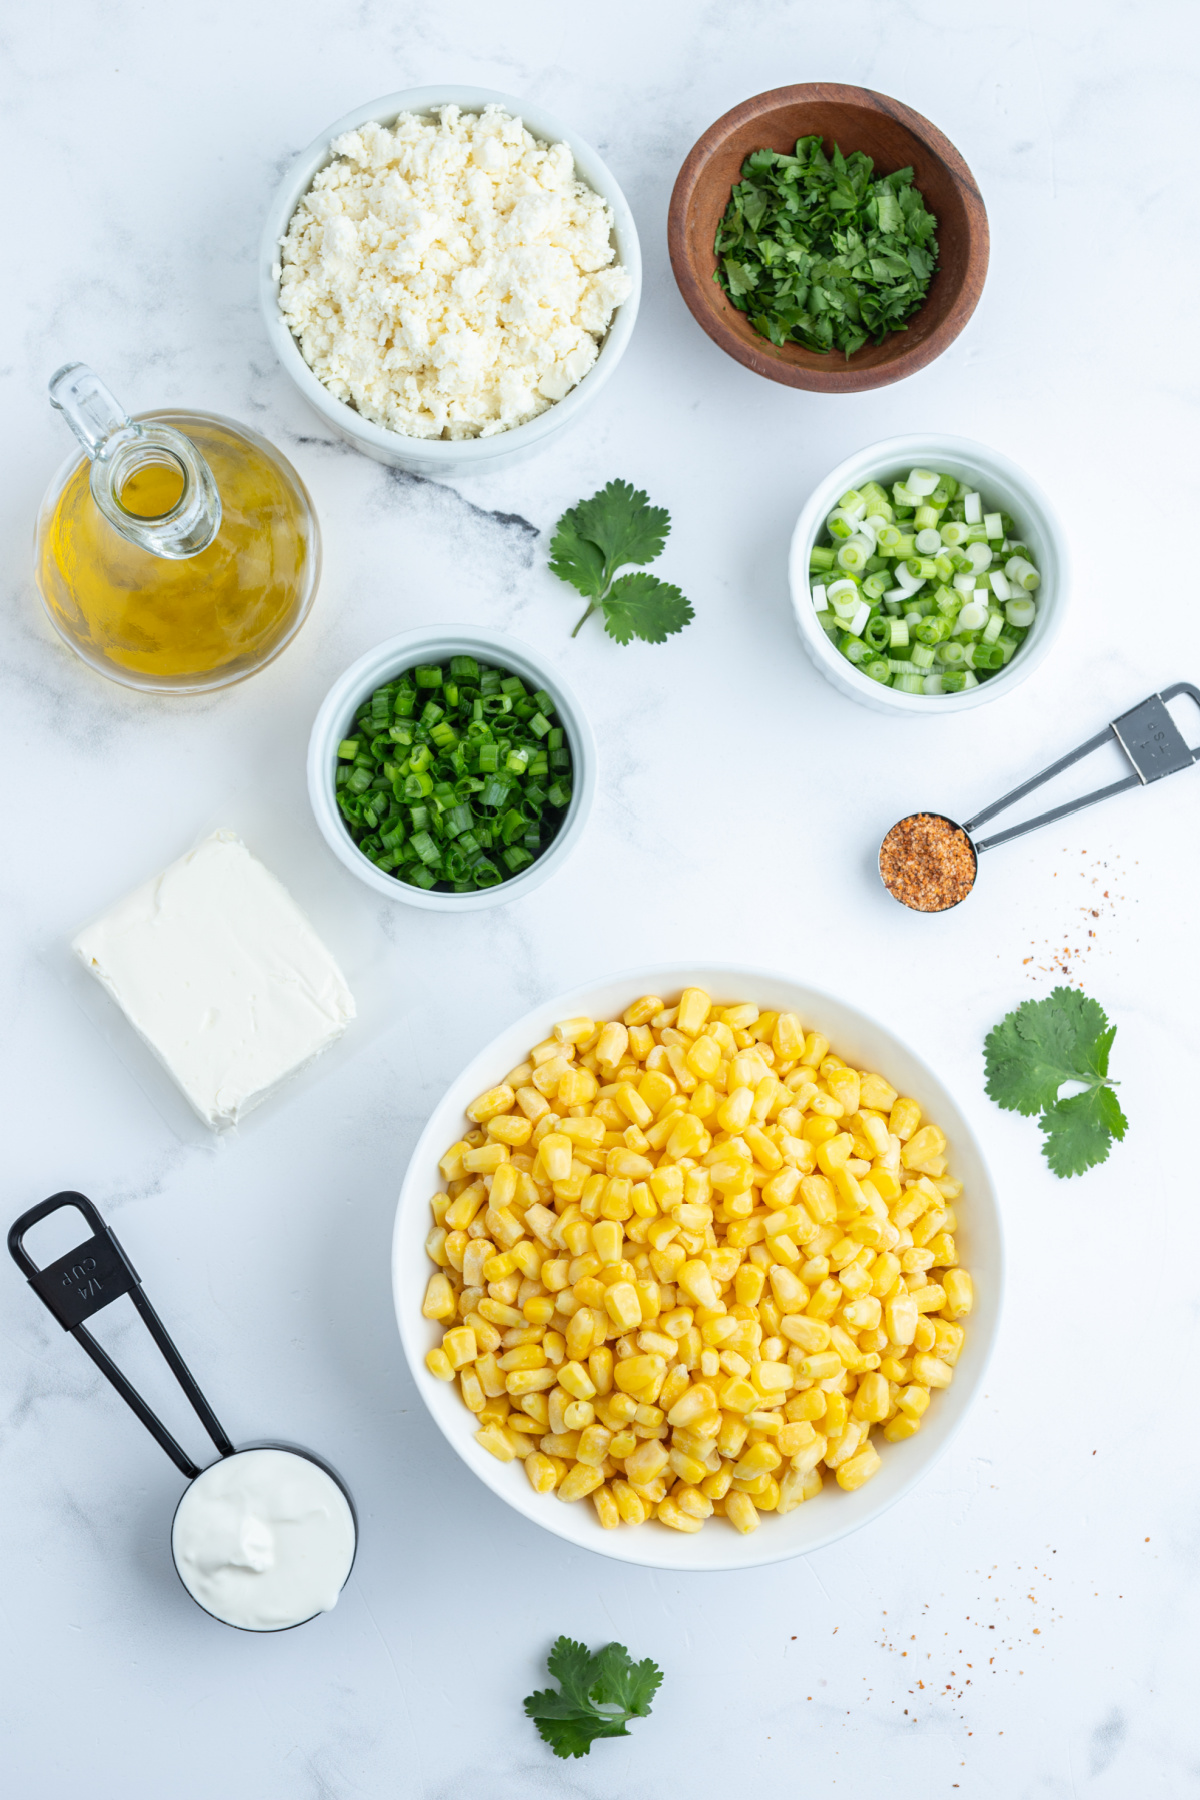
119,447
92,412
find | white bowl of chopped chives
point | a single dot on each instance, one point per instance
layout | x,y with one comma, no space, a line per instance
929,574
867,1044
501,714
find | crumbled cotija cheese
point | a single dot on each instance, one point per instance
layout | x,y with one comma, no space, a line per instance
450,277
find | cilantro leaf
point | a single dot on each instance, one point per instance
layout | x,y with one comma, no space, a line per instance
621,520
599,1695
574,558
597,538
1029,1055
620,1682
644,607
1080,1130
1038,1047
571,1665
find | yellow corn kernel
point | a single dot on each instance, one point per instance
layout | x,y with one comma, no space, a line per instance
594,1441
647,1461
922,1146
960,1292
471,1389
575,1380
688,1468
491,1377
704,1057
600,1369
529,1381
635,1374
451,1165
931,1372
612,1045
928,1299
672,1514
696,1403
738,1396
694,1007
741,1512
463,1208
812,1335
837,1411
555,1156
748,1284
607,1240
622,1305
820,1366
913,1400
904,1118
543,1472
863,1314
847,1443
872,1400
606,1507
904,1425
857,1469
487,1106
807,1406
579,1482
697,1283
485,1160
497,1312
797,1486
844,1085
439,1365
524,1356
688,1138
900,1316
580,1331
510,1129
441,1302
819,1197
760,1459
460,1346
539,1309
827,1299
772,1378
496,1439
630,1505
578,1414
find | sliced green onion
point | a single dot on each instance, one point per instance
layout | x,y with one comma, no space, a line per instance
928,590
457,776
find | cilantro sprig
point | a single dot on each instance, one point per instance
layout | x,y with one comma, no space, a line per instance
817,253
1037,1048
596,1696
595,540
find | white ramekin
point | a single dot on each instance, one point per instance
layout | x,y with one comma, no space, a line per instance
437,456
1005,487
436,643
863,1041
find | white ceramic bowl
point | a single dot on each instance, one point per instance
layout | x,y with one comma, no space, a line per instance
436,643
833,1513
436,456
1006,488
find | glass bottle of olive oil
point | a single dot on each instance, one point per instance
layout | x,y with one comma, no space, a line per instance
180,552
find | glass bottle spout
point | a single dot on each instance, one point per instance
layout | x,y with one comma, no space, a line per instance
149,480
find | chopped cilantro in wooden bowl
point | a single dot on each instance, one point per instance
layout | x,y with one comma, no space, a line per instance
828,237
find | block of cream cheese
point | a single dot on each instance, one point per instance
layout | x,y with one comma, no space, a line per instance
217,969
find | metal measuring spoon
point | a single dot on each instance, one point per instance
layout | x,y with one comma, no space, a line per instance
88,1278
945,860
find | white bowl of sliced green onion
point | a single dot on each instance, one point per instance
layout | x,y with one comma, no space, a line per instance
928,575
449,768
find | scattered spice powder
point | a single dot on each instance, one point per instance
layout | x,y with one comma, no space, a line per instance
927,863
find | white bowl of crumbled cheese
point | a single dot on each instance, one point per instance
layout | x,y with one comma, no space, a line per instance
448,276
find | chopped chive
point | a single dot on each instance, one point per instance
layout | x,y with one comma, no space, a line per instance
456,776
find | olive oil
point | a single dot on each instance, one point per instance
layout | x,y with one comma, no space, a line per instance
122,581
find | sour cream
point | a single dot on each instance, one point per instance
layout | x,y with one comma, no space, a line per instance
264,1539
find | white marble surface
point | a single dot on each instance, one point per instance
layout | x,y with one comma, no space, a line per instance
1023,1624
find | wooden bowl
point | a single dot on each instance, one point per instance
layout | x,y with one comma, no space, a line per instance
894,136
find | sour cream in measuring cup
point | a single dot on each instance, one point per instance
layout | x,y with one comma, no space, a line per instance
264,1539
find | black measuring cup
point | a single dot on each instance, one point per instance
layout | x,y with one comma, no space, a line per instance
91,1276
1147,734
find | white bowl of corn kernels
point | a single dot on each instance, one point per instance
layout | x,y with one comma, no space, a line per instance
716,1189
